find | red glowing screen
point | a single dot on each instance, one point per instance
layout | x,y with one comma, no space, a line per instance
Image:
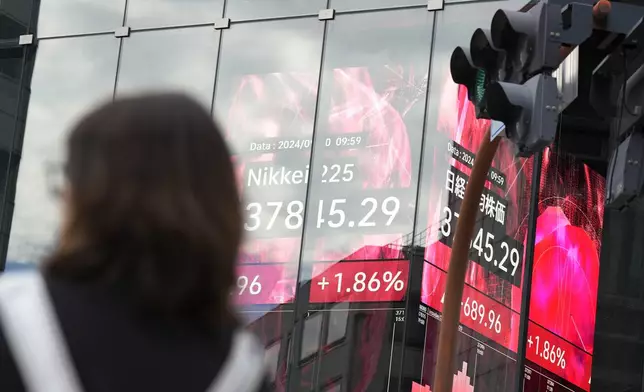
357,210
566,258
566,268
362,184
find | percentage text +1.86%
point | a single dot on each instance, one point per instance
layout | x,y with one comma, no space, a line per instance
360,283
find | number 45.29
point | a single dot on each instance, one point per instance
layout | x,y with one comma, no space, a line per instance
336,216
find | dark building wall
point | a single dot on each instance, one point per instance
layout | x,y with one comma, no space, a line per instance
619,333
16,66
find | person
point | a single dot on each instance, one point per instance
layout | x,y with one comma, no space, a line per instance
135,296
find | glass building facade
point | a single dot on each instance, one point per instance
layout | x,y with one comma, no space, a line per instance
353,148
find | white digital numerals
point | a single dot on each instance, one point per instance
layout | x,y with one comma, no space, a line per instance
267,215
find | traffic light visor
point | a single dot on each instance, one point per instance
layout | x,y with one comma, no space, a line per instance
505,101
462,68
483,53
507,25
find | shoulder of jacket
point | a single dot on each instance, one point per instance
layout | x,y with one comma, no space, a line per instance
15,283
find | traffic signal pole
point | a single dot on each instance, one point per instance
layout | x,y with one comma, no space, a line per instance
444,375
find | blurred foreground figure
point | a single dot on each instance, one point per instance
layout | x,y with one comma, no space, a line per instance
135,296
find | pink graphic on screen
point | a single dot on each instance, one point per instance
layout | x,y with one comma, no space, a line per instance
566,259
374,102
568,236
564,280
371,102
357,105
457,121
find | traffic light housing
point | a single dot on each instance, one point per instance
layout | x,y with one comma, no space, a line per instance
526,38
477,67
529,111
507,68
464,72
625,179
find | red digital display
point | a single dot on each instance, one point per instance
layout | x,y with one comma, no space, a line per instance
566,253
359,281
496,255
263,284
558,356
479,312
565,274
355,210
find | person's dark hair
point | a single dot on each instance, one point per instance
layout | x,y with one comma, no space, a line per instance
153,206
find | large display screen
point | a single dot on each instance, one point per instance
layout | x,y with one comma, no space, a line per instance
565,276
565,267
566,252
492,297
347,170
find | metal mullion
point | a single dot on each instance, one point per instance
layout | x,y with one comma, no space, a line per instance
82,35
298,314
391,8
412,250
526,285
217,62
171,27
118,67
76,35
274,18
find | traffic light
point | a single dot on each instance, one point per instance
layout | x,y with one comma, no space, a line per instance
529,111
505,52
464,72
476,79
507,69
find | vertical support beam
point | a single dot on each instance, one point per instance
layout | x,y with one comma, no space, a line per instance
526,285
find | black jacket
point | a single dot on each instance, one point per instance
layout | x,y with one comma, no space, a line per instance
113,349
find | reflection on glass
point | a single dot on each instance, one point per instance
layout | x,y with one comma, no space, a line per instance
272,360
62,17
265,98
10,73
359,361
369,132
348,5
11,27
338,318
7,124
178,59
311,336
63,87
10,69
8,127
157,13
255,9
